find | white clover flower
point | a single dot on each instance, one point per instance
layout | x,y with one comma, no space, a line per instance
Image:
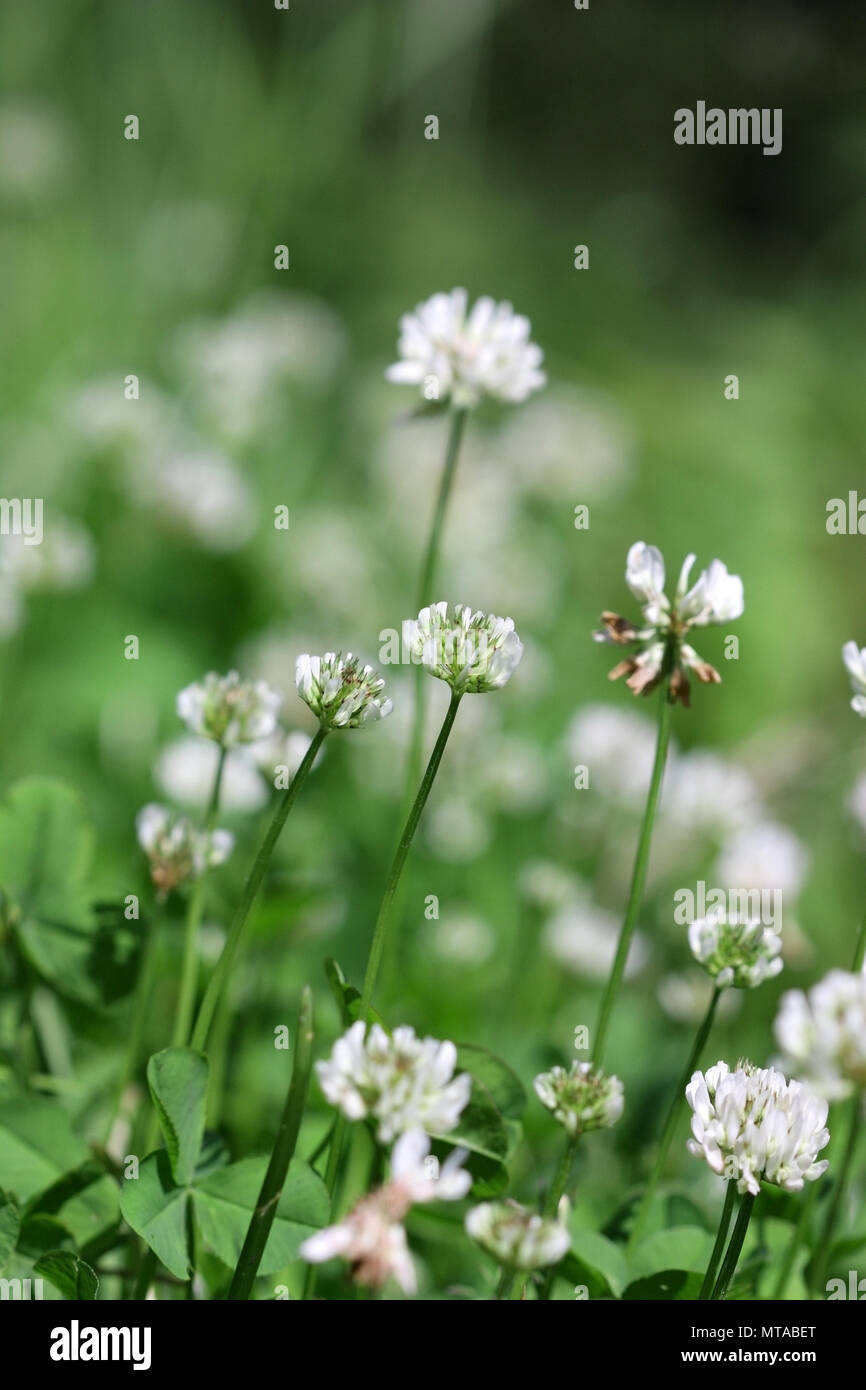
823,1033
855,661
186,767
715,597
704,792
372,1237
471,652
341,692
517,1238
178,851
463,357
751,1125
229,710
764,856
401,1081
583,937
581,1099
736,952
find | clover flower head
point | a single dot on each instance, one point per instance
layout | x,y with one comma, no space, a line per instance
177,851
581,1099
452,354
402,1081
715,597
736,952
516,1237
751,1125
372,1237
854,658
341,691
823,1033
472,652
229,710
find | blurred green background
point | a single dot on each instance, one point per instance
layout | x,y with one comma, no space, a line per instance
261,387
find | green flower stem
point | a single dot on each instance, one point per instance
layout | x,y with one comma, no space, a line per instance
638,876
195,906
721,1237
283,1151
794,1243
137,1023
506,1279
380,933
220,976
673,1116
424,594
819,1275
383,920
555,1193
860,948
729,1264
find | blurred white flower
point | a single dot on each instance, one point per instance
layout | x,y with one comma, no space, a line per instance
401,1081
715,597
567,445
185,771
751,1125
517,1238
64,559
464,936
581,1099
177,851
341,691
855,662
735,954
238,366
583,937
857,801
372,1237
617,746
452,354
38,152
471,652
549,886
764,856
705,792
686,997
229,710
204,493
823,1033
456,830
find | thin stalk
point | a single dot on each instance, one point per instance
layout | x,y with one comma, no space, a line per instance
283,1151
195,906
220,976
732,1255
377,945
860,948
424,594
638,876
673,1116
506,1279
380,930
721,1237
822,1256
137,1024
555,1193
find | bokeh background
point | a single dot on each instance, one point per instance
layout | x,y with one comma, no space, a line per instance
261,388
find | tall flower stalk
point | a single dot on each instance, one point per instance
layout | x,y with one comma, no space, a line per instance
663,658
284,1147
189,969
343,694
